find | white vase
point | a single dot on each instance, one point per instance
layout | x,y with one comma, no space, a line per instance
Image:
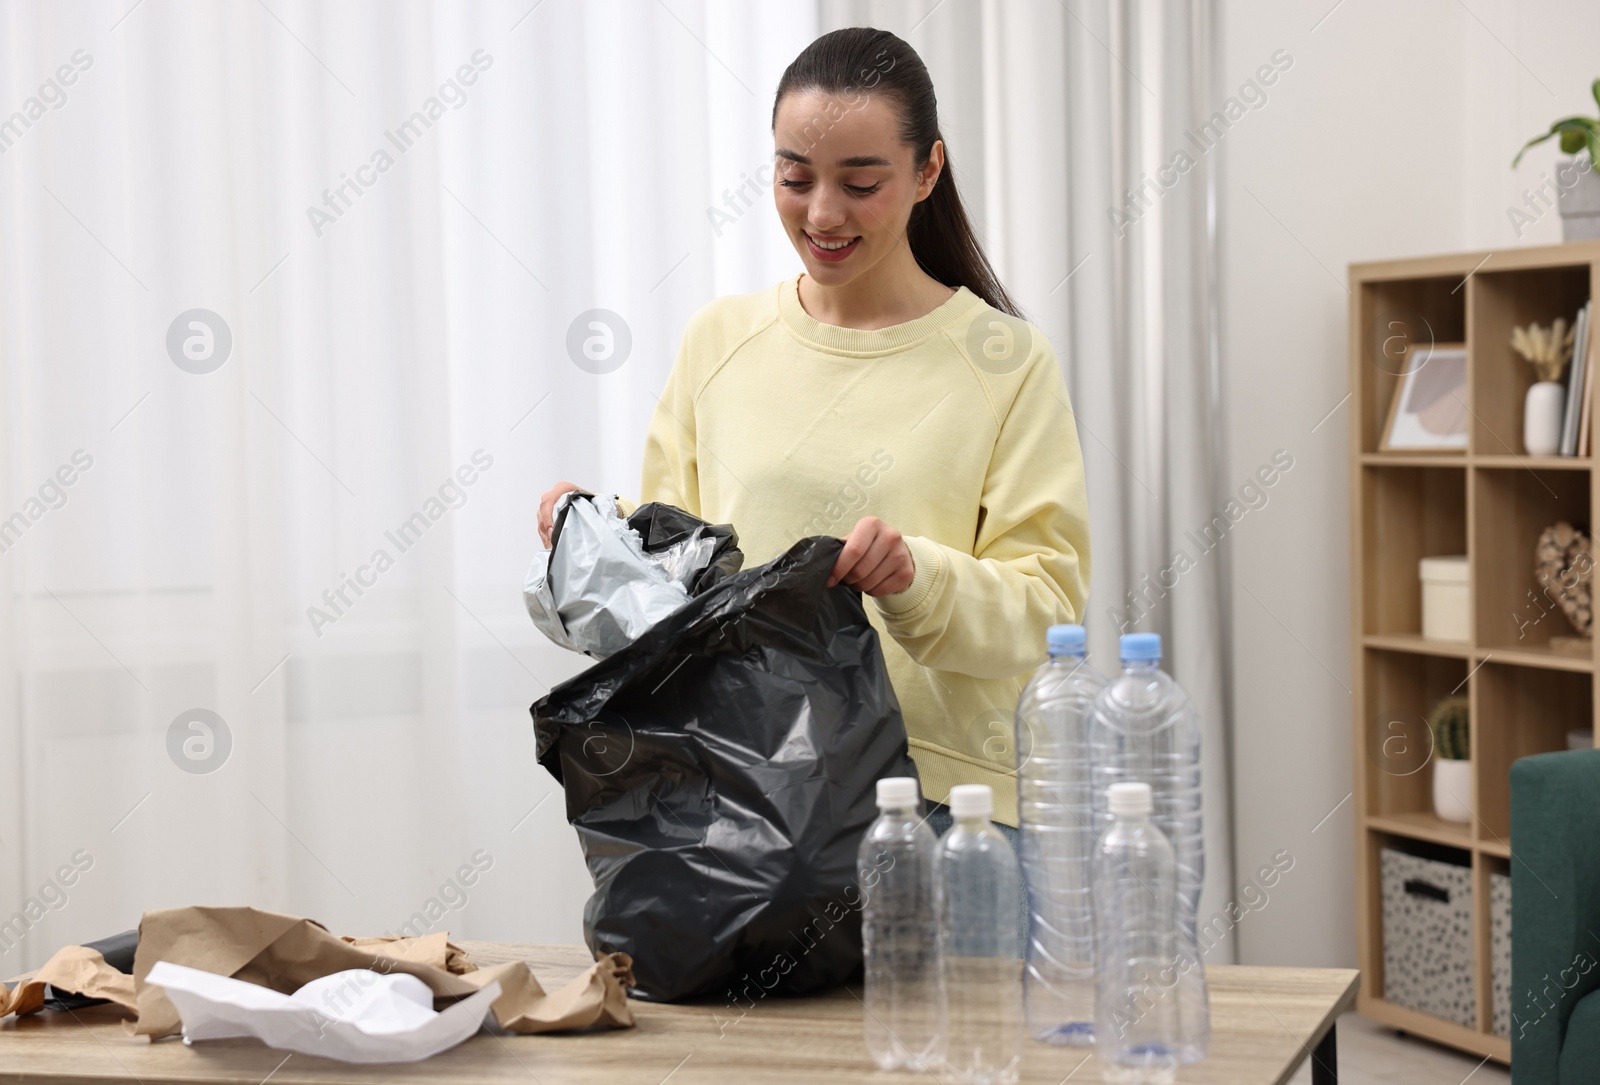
1452,789
1542,417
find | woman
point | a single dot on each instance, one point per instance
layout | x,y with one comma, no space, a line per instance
891,394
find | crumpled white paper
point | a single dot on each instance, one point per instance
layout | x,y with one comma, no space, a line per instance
357,1015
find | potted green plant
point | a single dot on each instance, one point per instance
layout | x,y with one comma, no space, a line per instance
1451,724
1577,183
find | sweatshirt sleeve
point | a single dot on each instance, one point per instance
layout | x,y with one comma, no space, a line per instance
985,613
671,468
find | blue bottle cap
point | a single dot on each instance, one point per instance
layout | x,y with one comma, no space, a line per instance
1141,646
1064,640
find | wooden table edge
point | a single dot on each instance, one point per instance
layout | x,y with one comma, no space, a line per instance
558,962
1344,1004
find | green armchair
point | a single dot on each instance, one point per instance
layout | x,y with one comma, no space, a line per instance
1555,918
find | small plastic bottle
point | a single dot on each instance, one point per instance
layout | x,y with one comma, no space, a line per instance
1057,838
1138,1031
980,948
903,1020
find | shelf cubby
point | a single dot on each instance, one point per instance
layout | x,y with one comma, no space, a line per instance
1511,506
1519,711
1500,378
1374,988
1483,937
1393,315
1412,513
1399,690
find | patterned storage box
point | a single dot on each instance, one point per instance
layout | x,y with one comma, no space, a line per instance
1500,952
1427,935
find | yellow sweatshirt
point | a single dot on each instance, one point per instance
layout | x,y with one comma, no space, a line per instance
955,429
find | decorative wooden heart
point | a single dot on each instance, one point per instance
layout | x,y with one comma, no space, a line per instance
1564,567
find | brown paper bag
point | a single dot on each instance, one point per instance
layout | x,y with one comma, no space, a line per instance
286,952
73,968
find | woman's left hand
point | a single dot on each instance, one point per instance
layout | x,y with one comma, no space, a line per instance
875,559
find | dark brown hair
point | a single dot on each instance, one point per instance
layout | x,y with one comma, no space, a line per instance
859,60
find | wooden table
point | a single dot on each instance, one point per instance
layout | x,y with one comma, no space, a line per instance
1265,1024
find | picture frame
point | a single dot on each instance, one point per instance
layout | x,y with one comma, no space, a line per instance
1428,412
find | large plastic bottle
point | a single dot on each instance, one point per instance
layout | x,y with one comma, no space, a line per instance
979,942
1136,904
1057,838
1143,729
903,1021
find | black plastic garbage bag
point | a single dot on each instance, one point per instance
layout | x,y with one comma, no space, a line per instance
720,771
664,526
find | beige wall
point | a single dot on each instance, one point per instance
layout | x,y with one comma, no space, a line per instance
1391,136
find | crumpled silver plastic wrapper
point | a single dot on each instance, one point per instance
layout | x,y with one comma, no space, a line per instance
597,588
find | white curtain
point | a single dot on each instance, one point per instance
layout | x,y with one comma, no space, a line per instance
381,336
1052,111
399,214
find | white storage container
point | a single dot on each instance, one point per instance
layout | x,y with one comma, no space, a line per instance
1444,597
1427,934
1500,953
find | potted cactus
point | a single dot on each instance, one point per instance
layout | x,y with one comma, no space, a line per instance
1451,725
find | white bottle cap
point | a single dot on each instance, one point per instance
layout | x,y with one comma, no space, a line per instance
971,801
1129,800
897,792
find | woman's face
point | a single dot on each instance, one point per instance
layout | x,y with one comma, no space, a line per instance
844,183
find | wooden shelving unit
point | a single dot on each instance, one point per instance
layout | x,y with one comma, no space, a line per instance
1490,503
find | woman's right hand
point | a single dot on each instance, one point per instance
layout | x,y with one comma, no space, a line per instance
547,509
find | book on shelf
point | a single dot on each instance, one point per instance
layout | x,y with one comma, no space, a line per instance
1576,389
1586,405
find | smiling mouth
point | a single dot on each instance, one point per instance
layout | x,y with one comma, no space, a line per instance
831,249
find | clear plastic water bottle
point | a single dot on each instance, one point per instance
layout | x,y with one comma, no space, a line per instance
903,1021
1144,730
1136,901
979,942
1057,837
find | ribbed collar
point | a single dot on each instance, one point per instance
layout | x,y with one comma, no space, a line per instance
860,343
